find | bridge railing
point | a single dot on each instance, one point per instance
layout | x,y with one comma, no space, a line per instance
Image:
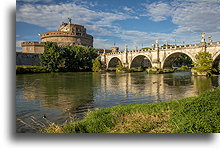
215,43
167,48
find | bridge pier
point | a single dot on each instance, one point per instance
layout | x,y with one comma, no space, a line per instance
156,65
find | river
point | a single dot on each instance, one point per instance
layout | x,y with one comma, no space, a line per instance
63,96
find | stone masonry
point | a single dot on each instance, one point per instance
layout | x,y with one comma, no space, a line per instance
159,57
67,34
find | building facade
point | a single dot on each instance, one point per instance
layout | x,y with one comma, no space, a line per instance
66,34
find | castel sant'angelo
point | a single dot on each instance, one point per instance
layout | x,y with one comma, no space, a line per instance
67,34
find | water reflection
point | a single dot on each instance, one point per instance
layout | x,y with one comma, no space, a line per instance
59,95
65,91
143,88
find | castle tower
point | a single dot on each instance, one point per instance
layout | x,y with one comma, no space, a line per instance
66,34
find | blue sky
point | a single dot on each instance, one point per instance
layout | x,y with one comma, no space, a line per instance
136,23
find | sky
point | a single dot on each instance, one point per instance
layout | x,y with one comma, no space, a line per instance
135,23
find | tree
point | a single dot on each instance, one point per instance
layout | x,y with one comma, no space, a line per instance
68,58
96,67
120,67
183,60
52,58
203,62
71,63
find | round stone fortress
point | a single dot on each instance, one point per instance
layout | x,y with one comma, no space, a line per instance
67,34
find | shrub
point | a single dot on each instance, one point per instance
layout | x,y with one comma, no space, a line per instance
96,67
203,62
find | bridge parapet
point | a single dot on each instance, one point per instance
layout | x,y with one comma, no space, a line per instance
187,46
213,43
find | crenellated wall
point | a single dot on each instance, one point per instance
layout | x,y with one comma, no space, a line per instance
32,47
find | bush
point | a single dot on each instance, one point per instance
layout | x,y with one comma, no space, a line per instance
203,62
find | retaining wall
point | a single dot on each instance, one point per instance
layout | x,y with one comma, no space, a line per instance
27,59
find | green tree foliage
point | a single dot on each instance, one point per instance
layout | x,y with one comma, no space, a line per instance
203,62
120,67
96,67
140,68
164,45
68,58
52,58
183,60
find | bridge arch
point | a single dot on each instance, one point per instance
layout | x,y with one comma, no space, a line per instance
113,62
169,60
140,60
215,63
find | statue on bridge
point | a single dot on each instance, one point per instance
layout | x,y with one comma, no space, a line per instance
69,20
210,39
203,37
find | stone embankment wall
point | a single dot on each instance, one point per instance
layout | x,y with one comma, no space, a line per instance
27,59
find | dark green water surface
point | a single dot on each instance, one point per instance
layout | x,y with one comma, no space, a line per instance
61,96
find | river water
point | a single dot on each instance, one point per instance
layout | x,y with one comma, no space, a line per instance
62,96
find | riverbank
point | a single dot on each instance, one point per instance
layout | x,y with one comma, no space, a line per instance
22,69
188,115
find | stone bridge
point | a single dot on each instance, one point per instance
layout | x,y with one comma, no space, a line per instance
160,57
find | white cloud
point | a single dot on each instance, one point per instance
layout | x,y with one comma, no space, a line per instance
191,16
50,16
158,11
102,43
147,39
128,9
34,1
18,44
196,17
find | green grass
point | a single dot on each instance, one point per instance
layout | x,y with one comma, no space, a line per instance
20,69
188,115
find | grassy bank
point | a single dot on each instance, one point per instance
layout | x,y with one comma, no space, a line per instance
188,115
20,69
